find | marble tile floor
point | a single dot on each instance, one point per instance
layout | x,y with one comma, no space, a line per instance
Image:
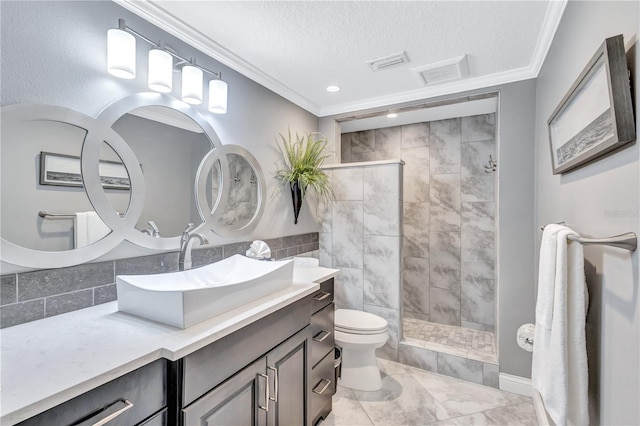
465,342
414,397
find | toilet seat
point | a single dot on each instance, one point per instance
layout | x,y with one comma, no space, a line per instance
357,322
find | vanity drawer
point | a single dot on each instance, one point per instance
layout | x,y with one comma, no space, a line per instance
136,395
323,387
324,296
208,367
322,325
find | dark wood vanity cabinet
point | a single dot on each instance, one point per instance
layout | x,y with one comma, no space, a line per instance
323,380
137,398
275,371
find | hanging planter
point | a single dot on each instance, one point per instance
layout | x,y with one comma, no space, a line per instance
302,160
296,196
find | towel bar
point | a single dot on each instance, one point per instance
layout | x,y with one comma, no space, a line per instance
627,241
43,214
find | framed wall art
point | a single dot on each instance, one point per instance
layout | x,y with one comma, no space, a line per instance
64,170
596,115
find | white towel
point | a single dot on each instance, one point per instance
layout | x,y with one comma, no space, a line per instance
259,250
88,228
559,369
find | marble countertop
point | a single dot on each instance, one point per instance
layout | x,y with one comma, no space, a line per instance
47,362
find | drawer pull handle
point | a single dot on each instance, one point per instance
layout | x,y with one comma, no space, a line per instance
275,384
127,406
324,336
265,407
321,296
324,388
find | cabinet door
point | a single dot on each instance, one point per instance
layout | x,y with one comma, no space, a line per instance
289,369
236,402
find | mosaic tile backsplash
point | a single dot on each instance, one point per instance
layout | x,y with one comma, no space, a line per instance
29,296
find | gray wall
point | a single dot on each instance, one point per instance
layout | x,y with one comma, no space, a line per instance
55,53
600,199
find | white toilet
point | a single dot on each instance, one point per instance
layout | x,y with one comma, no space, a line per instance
359,334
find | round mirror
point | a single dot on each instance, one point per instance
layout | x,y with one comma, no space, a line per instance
169,139
47,218
170,147
240,187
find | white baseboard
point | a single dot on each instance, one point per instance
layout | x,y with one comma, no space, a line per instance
515,384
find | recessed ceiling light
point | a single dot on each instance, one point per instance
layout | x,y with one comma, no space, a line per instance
392,115
333,88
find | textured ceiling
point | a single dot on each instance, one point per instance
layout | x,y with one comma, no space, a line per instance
299,48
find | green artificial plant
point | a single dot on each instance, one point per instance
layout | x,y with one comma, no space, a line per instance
303,158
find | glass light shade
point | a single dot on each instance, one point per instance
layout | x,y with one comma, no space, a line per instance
218,97
121,54
191,84
160,70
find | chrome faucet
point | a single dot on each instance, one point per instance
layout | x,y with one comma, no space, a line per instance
184,261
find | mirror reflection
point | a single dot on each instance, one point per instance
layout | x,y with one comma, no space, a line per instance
242,203
41,173
169,146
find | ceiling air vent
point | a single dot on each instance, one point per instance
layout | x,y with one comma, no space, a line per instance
447,70
388,61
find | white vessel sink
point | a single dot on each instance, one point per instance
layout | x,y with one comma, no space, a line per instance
185,298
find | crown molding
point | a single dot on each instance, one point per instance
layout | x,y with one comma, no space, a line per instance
169,23
174,26
450,88
549,27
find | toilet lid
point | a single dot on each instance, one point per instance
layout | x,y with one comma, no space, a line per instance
351,321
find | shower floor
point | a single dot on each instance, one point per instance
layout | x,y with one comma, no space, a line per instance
463,342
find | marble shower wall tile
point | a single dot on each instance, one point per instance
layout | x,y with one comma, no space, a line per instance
349,289
390,350
444,141
444,263
382,271
347,183
422,358
462,368
326,250
477,298
478,127
445,202
445,306
478,232
363,146
324,210
416,285
416,174
383,200
416,230
415,135
476,185
345,148
388,143
347,234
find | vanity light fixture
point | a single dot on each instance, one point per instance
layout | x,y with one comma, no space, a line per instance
121,62
121,52
160,70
